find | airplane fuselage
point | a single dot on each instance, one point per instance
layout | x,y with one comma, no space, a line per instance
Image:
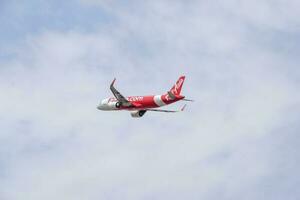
139,102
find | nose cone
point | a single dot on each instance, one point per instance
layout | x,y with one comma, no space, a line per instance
103,105
100,107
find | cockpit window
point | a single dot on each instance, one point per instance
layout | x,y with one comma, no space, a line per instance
112,100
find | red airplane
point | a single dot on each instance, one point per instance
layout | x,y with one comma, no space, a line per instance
139,105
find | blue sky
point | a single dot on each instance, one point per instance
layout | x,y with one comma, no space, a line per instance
239,140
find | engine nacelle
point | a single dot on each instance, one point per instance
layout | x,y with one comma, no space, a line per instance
138,113
118,104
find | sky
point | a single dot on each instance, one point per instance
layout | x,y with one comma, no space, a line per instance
238,140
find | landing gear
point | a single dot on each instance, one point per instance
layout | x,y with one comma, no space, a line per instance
142,112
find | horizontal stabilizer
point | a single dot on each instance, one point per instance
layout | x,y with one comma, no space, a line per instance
188,100
168,111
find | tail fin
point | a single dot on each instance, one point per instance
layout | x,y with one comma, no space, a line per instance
176,89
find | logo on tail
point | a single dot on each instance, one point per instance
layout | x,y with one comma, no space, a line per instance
176,89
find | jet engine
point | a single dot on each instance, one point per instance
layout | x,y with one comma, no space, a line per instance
138,113
118,105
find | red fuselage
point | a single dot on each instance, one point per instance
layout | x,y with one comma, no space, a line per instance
139,102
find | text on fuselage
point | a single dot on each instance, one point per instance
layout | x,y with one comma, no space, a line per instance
137,98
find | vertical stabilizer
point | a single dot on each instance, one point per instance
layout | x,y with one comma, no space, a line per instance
176,89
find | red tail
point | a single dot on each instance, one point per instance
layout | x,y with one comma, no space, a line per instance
176,89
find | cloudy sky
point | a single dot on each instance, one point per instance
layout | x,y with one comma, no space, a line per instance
239,140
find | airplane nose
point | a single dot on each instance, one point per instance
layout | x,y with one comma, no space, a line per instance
100,107
103,105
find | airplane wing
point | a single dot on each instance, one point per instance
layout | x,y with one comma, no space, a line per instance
119,96
167,111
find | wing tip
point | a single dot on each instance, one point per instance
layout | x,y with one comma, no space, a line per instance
113,82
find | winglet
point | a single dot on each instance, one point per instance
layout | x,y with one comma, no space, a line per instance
182,109
113,82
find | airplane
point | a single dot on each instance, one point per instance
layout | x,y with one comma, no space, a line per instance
139,105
